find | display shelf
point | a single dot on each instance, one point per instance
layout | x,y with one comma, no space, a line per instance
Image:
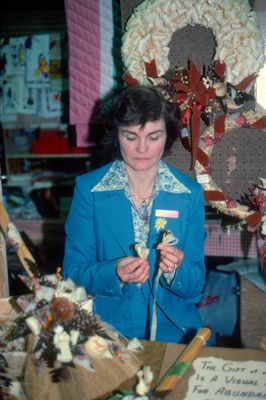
49,230
40,184
23,147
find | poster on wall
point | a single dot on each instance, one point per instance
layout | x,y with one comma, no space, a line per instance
37,60
33,77
13,56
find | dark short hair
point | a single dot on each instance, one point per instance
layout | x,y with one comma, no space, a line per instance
137,105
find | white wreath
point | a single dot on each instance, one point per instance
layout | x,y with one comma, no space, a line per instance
234,25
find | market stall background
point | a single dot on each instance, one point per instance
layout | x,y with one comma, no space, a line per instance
235,280
224,243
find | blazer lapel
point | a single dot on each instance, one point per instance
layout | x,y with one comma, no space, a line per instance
116,212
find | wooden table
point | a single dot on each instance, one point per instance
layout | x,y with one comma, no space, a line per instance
160,356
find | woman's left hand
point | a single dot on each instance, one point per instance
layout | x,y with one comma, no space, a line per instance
171,257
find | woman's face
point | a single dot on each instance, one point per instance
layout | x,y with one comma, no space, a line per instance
142,147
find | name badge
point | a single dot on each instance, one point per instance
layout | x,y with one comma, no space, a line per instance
166,213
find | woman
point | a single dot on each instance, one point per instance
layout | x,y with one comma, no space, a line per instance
135,199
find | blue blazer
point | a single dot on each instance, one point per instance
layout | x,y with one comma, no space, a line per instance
99,231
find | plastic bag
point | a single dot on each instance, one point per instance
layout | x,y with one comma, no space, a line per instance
219,305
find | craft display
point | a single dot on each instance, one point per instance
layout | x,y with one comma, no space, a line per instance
66,339
250,209
216,94
172,376
149,30
67,335
201,94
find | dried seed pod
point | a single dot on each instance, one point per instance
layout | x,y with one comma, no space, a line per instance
63,309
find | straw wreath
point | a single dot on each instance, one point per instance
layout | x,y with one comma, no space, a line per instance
234,25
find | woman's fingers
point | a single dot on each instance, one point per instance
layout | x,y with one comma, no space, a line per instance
171,257
133,270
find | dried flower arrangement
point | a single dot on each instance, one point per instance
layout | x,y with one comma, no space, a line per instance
66,332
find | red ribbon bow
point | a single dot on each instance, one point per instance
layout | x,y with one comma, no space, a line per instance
194,96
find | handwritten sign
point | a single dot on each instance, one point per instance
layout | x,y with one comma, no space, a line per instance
218,379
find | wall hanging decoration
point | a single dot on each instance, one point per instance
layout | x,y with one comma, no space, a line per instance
233,23
215,99
251,208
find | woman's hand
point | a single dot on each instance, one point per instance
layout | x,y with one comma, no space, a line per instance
171,257
132,270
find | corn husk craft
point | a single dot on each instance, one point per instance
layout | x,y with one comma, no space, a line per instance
65,341
145,389
141,250
234,25
65,335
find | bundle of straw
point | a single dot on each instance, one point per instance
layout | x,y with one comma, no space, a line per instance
179,368
15,239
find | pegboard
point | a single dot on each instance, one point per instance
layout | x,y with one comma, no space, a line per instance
180,158
191,42
238,160
127,6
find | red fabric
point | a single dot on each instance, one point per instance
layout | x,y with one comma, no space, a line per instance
214,195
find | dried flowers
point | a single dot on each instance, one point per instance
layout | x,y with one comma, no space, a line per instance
62,308
66,332
97,347
145,377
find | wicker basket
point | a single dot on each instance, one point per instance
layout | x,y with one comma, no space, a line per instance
252,314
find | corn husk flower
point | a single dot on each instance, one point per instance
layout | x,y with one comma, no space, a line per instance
97,347
169,238
61,341
141,250
145,377
160,223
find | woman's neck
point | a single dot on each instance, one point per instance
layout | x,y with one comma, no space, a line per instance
141,184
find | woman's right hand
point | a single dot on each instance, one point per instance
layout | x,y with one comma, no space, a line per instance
132,270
